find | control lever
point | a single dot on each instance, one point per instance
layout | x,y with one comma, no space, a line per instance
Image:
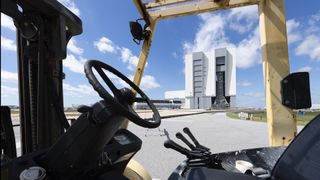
199,155
182,138
195,141
171,144
166,133
189,154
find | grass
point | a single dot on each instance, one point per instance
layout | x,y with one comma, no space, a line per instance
261,116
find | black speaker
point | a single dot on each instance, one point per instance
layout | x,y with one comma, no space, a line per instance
295,91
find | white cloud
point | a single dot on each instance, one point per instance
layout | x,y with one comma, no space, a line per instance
72,46
147,83
247,52
293,31
105,45
314,23
245,84
78,90
77,66
8,91
7,22
246,12
310,46
8,44
129,58
74,64
71,5
7,76
211,35
242,19
305,69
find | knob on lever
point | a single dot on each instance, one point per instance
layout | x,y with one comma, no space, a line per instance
195,141
182,138
171,144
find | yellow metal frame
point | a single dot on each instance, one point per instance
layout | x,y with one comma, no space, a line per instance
282,125
135,171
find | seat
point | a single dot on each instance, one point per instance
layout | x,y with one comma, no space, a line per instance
301,160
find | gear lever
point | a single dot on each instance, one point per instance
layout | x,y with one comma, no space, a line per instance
189,154
171,144
195,141
199,156
182,138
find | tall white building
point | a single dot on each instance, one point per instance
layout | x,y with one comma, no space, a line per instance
210,80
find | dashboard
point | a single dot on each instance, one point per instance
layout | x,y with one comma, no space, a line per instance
114,158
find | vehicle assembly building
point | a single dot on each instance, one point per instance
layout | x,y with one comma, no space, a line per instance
210,80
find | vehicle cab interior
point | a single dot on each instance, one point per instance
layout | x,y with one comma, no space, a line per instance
95,145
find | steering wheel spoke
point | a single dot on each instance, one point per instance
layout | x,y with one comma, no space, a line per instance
116,92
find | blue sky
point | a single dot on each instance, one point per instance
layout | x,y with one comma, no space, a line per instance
106,37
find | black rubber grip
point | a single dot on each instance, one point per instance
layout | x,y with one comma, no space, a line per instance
172,145
182,138
188,132
198,145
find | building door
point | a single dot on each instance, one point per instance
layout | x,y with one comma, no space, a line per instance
220,100
220,85
198,99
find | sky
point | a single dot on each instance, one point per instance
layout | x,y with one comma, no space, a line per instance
106,37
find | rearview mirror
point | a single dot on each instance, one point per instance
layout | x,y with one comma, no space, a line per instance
136,30
295,91
138,33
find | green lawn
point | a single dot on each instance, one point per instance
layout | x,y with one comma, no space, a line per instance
261,116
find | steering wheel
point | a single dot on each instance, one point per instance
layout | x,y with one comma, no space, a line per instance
123,98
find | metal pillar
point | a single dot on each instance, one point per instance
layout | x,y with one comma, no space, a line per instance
142,61
281,121
144,55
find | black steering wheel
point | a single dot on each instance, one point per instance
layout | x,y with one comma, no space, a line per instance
123,98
